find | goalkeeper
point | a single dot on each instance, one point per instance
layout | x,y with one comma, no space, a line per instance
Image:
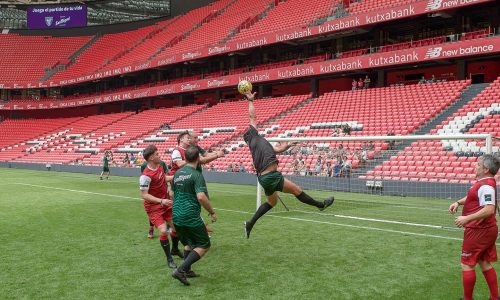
266,165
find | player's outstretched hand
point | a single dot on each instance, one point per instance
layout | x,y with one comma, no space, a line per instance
250,96
453,208
220,153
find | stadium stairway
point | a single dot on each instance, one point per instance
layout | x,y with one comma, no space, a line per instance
71,58
467,95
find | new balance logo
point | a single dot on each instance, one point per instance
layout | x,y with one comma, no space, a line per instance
433,5
433,52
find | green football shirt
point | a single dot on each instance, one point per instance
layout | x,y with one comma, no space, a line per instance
186,209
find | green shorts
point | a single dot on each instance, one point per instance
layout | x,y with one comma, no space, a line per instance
194,237
272,182
105,169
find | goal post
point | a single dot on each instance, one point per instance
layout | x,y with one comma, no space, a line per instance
382,177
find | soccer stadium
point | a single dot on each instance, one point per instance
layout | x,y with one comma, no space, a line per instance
140,138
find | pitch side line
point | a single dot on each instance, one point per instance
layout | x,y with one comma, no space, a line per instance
274,216
377,220
78,191
352,226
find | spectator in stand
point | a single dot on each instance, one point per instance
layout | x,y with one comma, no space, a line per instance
367,82
422,80
329,169
230,168
347,167
354,85
346,129
242,168
433,79
132,159
126,160
361,83
212,168
392,143
318,166
337,170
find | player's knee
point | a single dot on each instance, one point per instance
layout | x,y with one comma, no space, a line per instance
296,190
163,231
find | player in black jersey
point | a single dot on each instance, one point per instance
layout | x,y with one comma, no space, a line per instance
266,165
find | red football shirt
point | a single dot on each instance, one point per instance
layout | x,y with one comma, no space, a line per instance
179,153
482,193
153,181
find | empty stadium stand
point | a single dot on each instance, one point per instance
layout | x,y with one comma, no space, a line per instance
448,161
368,112
44,53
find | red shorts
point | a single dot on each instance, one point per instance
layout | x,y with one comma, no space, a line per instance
159,216
479,245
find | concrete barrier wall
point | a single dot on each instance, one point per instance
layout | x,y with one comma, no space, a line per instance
390,188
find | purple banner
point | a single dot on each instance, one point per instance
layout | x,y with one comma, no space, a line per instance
62,16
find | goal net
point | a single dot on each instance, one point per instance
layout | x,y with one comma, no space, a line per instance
391,182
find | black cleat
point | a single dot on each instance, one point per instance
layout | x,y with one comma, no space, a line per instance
327,202
181,276
177,252
171,263
247,228
191,274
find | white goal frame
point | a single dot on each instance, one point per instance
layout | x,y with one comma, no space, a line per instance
488,138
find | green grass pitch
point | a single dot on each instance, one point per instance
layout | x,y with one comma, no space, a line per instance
72,236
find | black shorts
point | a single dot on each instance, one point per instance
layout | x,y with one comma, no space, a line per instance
194,237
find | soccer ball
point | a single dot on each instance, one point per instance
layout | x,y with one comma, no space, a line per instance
244,86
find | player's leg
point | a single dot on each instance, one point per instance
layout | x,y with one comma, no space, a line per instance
109,173
102,173
290,187
488,255
165,245
196,238
174,237
468,280
262,210
151,232
490,275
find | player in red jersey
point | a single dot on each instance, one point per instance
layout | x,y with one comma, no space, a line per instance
481,230
153,186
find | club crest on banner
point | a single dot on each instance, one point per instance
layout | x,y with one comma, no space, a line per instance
48,21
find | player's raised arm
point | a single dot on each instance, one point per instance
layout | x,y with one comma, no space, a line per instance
282,146
251,108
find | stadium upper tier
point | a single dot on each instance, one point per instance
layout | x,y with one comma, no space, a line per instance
182,36
402,110
28,57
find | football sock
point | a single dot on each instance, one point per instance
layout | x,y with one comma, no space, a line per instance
186,254
189,260
491,279
175,242
468,281
166,247
151,225
263,209
305,198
